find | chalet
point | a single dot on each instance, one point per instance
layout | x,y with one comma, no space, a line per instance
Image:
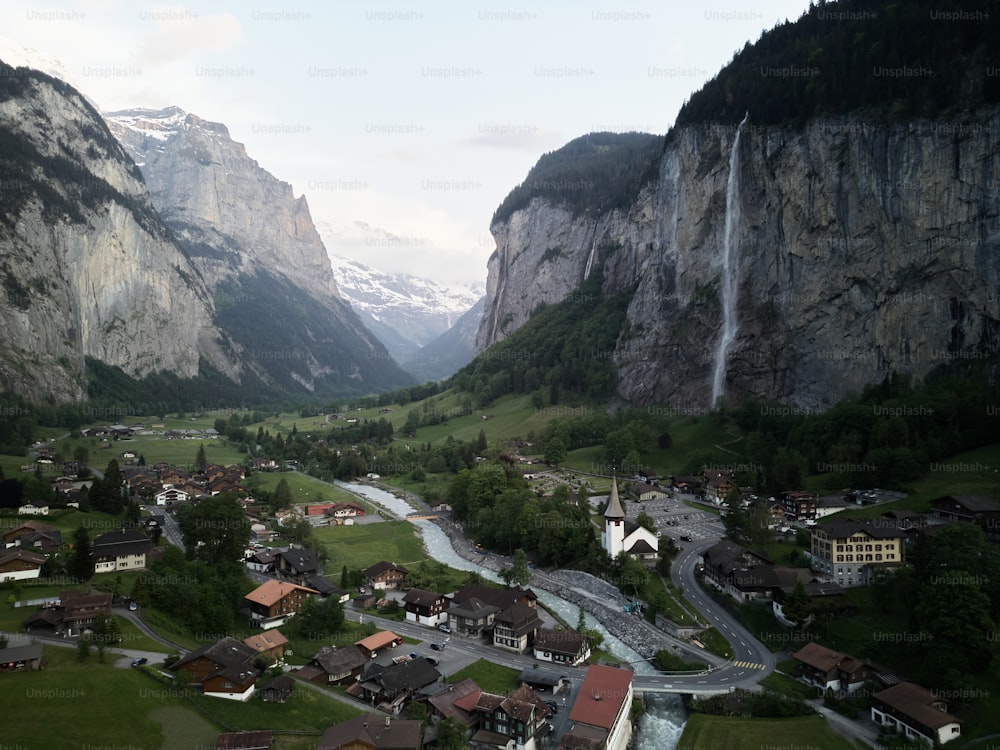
277,690
561,646
121,550
274,602
254,739
373,732
296,564
543,680
20,564
849,552
377,642
443,704
474,607
823,597
270,644
316,509
599,717
260,561
737,571
517,718
686,484
171,496
643,491
386,575
827,505
717,484
30,509
72,615
799,505
389,688
36,535
965,508
830,670
327,590
916,713
263,464
334,666
514,627
425,607
29,658
223,669
340,512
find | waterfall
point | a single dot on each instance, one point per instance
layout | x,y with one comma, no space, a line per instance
730,268
501,290
590,258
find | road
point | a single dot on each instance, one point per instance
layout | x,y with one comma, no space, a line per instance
171,531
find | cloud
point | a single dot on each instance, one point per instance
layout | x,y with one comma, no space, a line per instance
179,33
522,137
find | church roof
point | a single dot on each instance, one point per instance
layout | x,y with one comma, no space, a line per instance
614,509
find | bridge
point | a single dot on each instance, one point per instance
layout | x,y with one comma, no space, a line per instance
421,516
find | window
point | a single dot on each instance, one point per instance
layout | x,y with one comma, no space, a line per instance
878,557
878,547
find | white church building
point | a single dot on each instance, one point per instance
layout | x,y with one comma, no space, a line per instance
622,535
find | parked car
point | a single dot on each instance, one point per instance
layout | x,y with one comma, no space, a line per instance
132,606
414,655
437,646
685,537
432,661
444,628
140,661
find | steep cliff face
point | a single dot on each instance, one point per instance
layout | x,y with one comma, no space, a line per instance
88,267
215,197
861,249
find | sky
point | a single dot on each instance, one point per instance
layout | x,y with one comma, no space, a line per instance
404,124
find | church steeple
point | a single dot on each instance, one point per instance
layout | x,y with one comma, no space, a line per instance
614,510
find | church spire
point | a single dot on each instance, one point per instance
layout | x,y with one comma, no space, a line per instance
614,509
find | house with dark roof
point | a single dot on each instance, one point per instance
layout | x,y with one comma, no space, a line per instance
327,590
686,483
223,669
850,552
28,658
643,491
255,739
373,732
599,717
386,575
561,646
388,688
35,535
737,571
519,717
514,627
717,484
916,713
426,607
978,509
474,607
823,596
296,564
830,670
799,505
19,564
260,561
73,614
443,703
121,550
335,666
278,689
275,602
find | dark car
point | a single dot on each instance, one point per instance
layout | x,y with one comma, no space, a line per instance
414,655
685,537
437,646
140,661
432,661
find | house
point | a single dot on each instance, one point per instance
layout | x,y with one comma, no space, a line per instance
514,627
277,690
121,550
965,508
341,511
599,717
726,560
643,491
334,666
799,505
561,646
849,552
296,564
72,615
261,561
443,704
270,644
45,537
274,602
827,505
30,509
475,606
19,564
621,535
717,484
386,575
377,642
517,717
263,464
389,688
373,732
425,607
915,712
28,658
543,680
830,670
170,497
685,483
327,590
823,596
223,669
255,739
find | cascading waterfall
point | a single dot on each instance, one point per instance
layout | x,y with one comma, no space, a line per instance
501,289
730,268
590,258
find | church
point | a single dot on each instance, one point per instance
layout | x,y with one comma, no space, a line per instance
621,534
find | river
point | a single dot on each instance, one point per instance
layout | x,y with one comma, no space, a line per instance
659,728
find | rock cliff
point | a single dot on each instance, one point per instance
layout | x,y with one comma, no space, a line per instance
861,249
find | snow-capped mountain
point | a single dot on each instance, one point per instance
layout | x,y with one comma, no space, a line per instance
19,56
405,311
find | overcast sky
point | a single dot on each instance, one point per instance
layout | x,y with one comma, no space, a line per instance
415,119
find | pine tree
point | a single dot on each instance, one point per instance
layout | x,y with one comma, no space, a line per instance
796,605
82,562
201,461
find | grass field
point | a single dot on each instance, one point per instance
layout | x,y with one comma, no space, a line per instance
361,546
704,731
304,488
492,678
